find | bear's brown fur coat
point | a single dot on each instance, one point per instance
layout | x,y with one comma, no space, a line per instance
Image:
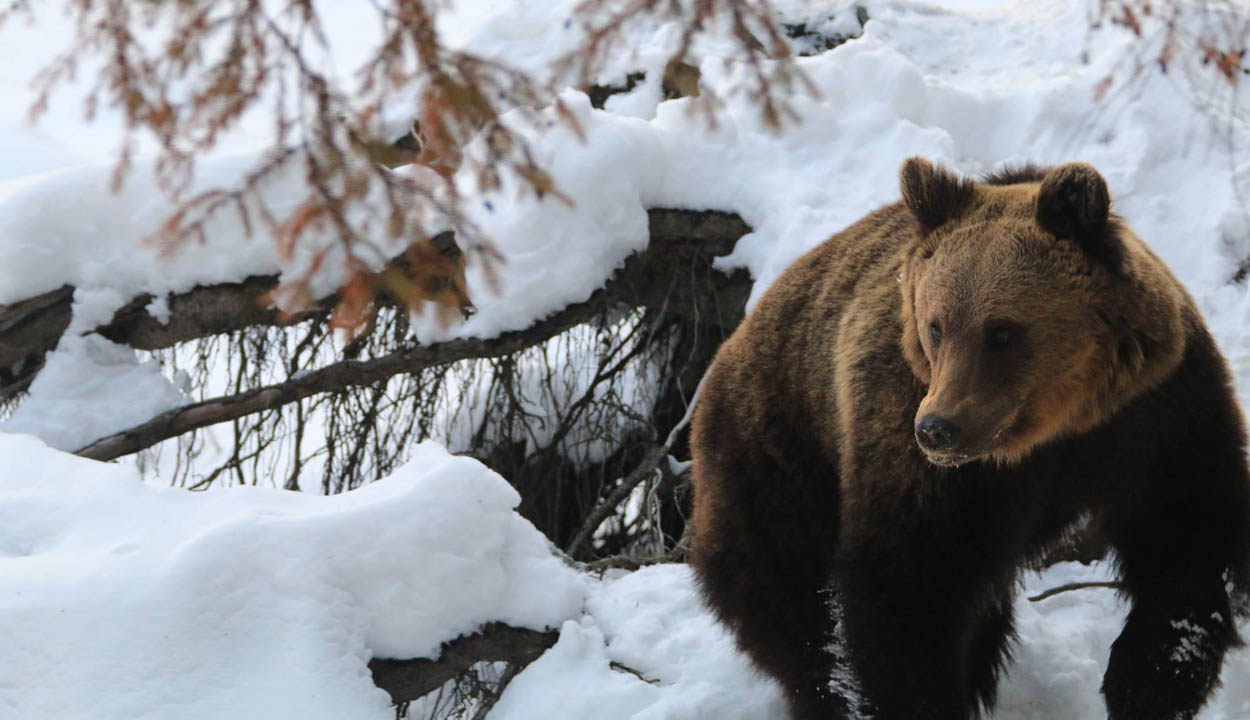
1068,375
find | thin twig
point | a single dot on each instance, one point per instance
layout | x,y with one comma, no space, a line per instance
648,466
336,376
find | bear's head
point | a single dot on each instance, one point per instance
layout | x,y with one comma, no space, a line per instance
1029,309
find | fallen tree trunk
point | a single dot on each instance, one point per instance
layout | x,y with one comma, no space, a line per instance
674,273
30,328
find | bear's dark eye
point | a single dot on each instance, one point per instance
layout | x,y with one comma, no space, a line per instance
935,334
1000,335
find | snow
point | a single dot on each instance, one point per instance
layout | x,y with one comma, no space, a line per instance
887,95
1003,86
122,600
90,387
672,660
62,139
103,242
1063,646
652,623
191,600
555,685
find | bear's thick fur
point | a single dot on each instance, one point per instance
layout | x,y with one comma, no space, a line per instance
1053,369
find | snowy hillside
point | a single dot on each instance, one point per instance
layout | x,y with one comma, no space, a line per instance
120,599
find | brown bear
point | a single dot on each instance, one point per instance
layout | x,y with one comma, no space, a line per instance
925,404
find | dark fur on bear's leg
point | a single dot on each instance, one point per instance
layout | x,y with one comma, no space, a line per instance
781,621
1164,665
765,573
928,638
778,612
988,652
923,678
1181,552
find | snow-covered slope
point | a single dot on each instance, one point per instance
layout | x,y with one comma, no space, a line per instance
122,601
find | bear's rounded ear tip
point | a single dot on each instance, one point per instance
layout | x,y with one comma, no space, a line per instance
934,194
1079,175
916,161
913,176
1073,200
913,168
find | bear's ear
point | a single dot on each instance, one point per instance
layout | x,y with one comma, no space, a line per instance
934,195
1073,203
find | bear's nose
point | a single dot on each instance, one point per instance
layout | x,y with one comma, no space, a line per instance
936,434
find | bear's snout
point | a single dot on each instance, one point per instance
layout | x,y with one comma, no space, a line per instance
937,434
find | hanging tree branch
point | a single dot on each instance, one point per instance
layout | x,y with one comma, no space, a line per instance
337,376
678,239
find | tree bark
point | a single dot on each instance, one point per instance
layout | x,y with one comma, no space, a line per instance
407,680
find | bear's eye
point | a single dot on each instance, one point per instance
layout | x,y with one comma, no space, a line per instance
1000,335
935,333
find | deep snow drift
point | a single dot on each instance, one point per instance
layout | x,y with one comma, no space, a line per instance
124,601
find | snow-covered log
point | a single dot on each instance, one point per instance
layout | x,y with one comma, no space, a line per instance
675,270
30,328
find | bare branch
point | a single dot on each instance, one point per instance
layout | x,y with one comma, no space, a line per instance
644,281
646,468
649,465
1075,586
337,376
632,562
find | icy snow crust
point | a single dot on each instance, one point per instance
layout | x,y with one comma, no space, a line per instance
123,601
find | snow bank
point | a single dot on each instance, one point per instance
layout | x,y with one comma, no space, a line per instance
99,240
123,600
90,388
645,650
126,601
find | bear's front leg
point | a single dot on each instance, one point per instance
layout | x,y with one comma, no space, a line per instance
1167,659
763,537
1181,536
907,657
924,639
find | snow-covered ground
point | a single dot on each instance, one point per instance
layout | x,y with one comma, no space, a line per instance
121,600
